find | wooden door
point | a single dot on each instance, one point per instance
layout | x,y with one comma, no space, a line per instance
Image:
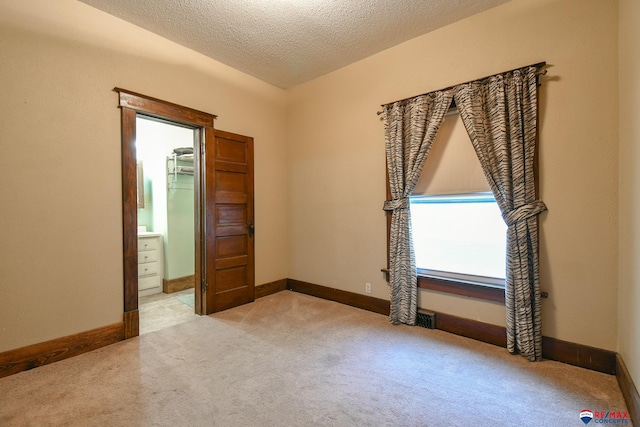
229,250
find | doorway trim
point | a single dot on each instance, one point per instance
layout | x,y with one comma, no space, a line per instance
131,104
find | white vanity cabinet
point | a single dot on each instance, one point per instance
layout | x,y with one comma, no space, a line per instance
150,267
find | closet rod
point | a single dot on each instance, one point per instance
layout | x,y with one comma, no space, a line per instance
453,105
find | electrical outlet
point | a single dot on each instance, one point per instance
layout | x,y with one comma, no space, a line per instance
367,288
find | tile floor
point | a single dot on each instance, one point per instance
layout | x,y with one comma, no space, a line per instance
160,311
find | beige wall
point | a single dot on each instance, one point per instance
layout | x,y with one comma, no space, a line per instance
629,296
61,244
336,179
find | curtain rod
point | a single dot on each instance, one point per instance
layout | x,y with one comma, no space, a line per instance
536,65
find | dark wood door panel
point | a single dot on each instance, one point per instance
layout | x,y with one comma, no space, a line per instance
231,246
231,214
221,264
232,198
232,230
231,182
231,151
231,167
229,199
229,299
231,278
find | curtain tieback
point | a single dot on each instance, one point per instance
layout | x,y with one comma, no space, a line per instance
395,204
524,212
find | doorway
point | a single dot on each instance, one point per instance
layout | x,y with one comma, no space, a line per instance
166,223
223,207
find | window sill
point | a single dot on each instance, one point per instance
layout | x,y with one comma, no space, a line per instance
472,290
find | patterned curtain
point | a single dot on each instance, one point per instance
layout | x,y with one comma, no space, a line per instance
410,128
500,115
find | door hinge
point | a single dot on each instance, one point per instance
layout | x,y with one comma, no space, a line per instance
204,286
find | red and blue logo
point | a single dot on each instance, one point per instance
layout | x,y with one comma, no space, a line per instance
610,417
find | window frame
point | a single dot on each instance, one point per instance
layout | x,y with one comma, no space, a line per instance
486,288
453,286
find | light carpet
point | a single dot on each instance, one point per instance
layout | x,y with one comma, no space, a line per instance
294,360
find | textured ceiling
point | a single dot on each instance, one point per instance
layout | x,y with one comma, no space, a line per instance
288,42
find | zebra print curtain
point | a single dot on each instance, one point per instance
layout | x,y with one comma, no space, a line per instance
500,115
410,128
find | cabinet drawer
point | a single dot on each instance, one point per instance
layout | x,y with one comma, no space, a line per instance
147,244
148,269
147,256
147,283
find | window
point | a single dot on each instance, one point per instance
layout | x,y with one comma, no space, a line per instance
454,202
459,238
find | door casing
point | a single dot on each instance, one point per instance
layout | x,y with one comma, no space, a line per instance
131,104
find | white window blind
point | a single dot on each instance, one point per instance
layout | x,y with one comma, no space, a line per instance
452,165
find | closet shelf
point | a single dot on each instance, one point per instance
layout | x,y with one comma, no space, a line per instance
175,168
181,158
180,165
183,170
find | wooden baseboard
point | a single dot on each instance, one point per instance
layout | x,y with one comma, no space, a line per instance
271,288
25,358
131,324
178,284
629,390
580,355
349,298
606,361
485,332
